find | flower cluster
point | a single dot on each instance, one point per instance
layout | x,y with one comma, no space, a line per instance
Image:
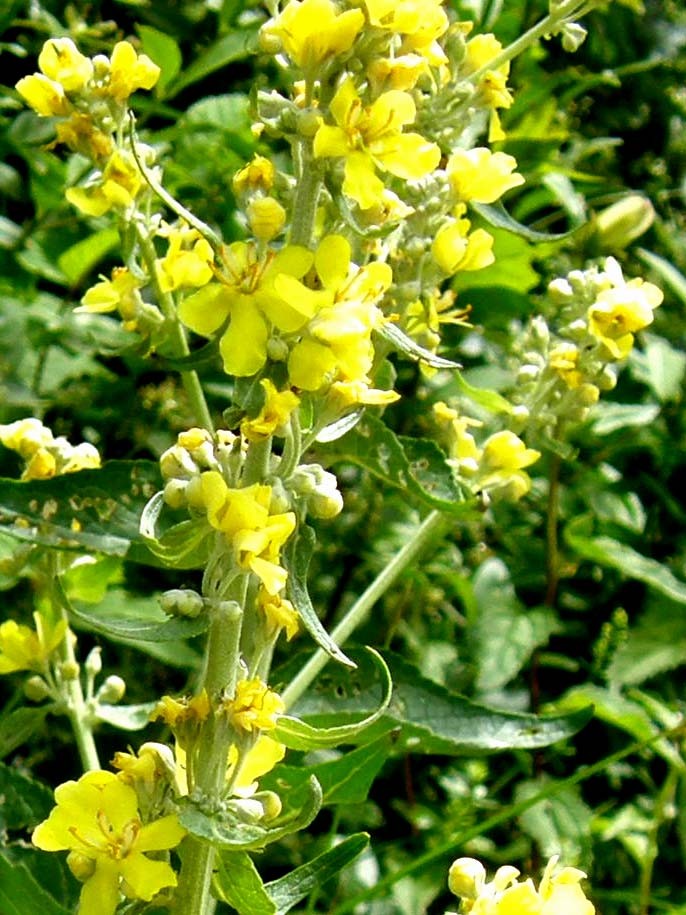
562,372
23,648
559,890
45,455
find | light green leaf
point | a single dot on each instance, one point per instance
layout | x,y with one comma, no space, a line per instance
660,366
404,344
78,261
656,644
560,824
667,272
237,882
415,466
497,216
21,894
126,717
163,50
182,546
297,556
606,417
298,735
625,559
150,625
488,399
289,890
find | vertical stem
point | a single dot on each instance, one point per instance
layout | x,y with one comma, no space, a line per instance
306,196
552,560
192,895
428,532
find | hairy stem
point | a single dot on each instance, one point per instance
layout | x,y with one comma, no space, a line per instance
306,195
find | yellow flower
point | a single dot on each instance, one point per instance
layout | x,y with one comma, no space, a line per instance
23,648
243,516
371,138
257,175
481,50
462,447
337,344
248,294
312,31
44,454
503,458
44,95
97,819
118,294
61,61
188,261
621,310
117,188
397,72
81,135
130,71
564,359
260,759
274,415
182,711
455,249
481,175
420,22
25,436
279,614
255,707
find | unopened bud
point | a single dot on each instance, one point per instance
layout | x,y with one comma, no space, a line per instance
36,689
94,662
624,221
309,123
266,217
466,877
175,493
182,602
69,670
81,866
112,690
573,36
271,804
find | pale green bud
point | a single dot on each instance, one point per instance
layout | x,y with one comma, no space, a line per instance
112,690
175,493
81,866
466,878
94,662
573,36
182,602
36,689
624,221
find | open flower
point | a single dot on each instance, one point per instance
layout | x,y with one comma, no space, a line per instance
621,310
254,708
97,820
371,138
481,175
312,31
23,648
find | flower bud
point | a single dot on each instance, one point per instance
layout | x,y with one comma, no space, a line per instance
466,877
112,690
36,689
175,493
81,866
182,602
94,662
266,217
573,36
69,670
624,221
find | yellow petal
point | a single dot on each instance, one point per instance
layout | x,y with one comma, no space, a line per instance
407,155
332,261
144,876
100,893
391,111
206,310
331,141
361,181
244,344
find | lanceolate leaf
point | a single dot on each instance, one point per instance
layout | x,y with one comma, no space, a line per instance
301,736
427,716
497,216
93,509
404,344
297,556
151,626
288,891
237,882
415,466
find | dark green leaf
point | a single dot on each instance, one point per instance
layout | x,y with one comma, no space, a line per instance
21,894
237,882
497,216
163,50
152,625
95,509
415,466
19,726
288,891
25,801
428,717
232,47
297,556
78,261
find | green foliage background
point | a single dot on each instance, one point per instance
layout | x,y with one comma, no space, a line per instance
472,618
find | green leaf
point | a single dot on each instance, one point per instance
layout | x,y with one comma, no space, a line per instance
656,644
232,47
230,830
19,726
297,735
289,890
428,717
25,801
660,366
415,466
625,559
561,824
505,634
95,509
345,780
404,344
497,216
667,272
297,556
163,50
150,625
78,261
21,894
237,882
488,399
126,717
611,417
182,546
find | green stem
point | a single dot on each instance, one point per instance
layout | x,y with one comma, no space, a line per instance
306,195
78,711
178,341
547,26
552,557
192,896
429,531
663,803
482,827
